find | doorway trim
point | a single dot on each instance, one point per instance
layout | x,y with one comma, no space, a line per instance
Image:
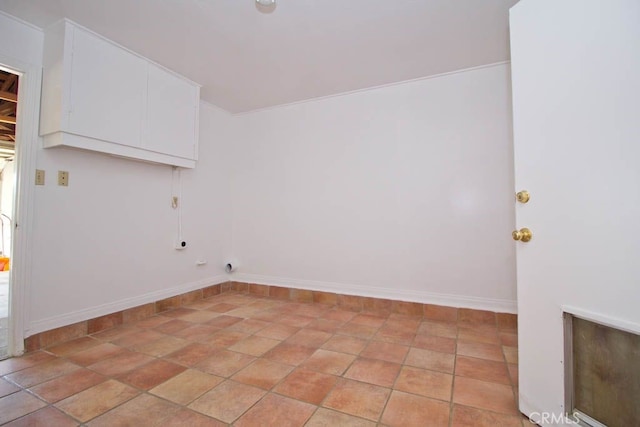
27,142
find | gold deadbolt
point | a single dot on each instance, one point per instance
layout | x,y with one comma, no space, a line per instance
524,235
523,196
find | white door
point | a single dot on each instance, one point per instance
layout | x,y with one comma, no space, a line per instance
576,102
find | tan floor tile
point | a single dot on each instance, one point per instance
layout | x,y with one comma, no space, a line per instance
173,326
329,362
339,314
395,335
470,316
23,362
510,354
45,417
224,338
478,335
143,410
325,325
178,312
359,399
357,330
96,354
507,321
481,369
431,342
484,395
345,344
66,385
509,339
373,371
327,418
196,332
369,319
289,354
432,360
115,333
161,347
275,410
480,350
186,387
399,321
426,383
189,418
295,320
446,330
140,337
151,322
277,331
249,326
191,354
389,352
42,372
440,313
97,400
17,405
513,373
224,321
120,363
408,410
254,346
263,373
225,363
222,307
73,346
464,416
309,338
228,401
7,388
153,373
200,316
306,385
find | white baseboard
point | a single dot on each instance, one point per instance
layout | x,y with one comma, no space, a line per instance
102,310
459,301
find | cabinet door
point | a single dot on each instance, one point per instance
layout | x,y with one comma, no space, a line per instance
108,89
172,111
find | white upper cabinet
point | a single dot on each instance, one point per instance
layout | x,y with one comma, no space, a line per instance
102,97
107,91
174,101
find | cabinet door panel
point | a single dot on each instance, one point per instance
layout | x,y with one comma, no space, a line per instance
171,114
108,91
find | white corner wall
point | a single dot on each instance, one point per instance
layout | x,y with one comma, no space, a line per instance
105,243
401,192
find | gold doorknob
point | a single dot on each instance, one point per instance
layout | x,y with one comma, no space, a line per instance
524,235
523,196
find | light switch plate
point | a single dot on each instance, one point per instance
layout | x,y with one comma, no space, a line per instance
39,177
63,178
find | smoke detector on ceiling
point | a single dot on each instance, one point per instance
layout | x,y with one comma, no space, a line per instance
266,6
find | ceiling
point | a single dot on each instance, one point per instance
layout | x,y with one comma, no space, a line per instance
248,60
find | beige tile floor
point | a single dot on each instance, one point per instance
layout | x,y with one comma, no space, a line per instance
246,360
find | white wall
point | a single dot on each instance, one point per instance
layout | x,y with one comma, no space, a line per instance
106,242
402,192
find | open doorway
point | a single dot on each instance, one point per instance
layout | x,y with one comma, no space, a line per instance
8,114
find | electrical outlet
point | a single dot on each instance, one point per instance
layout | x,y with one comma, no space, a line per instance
63,178
39,177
